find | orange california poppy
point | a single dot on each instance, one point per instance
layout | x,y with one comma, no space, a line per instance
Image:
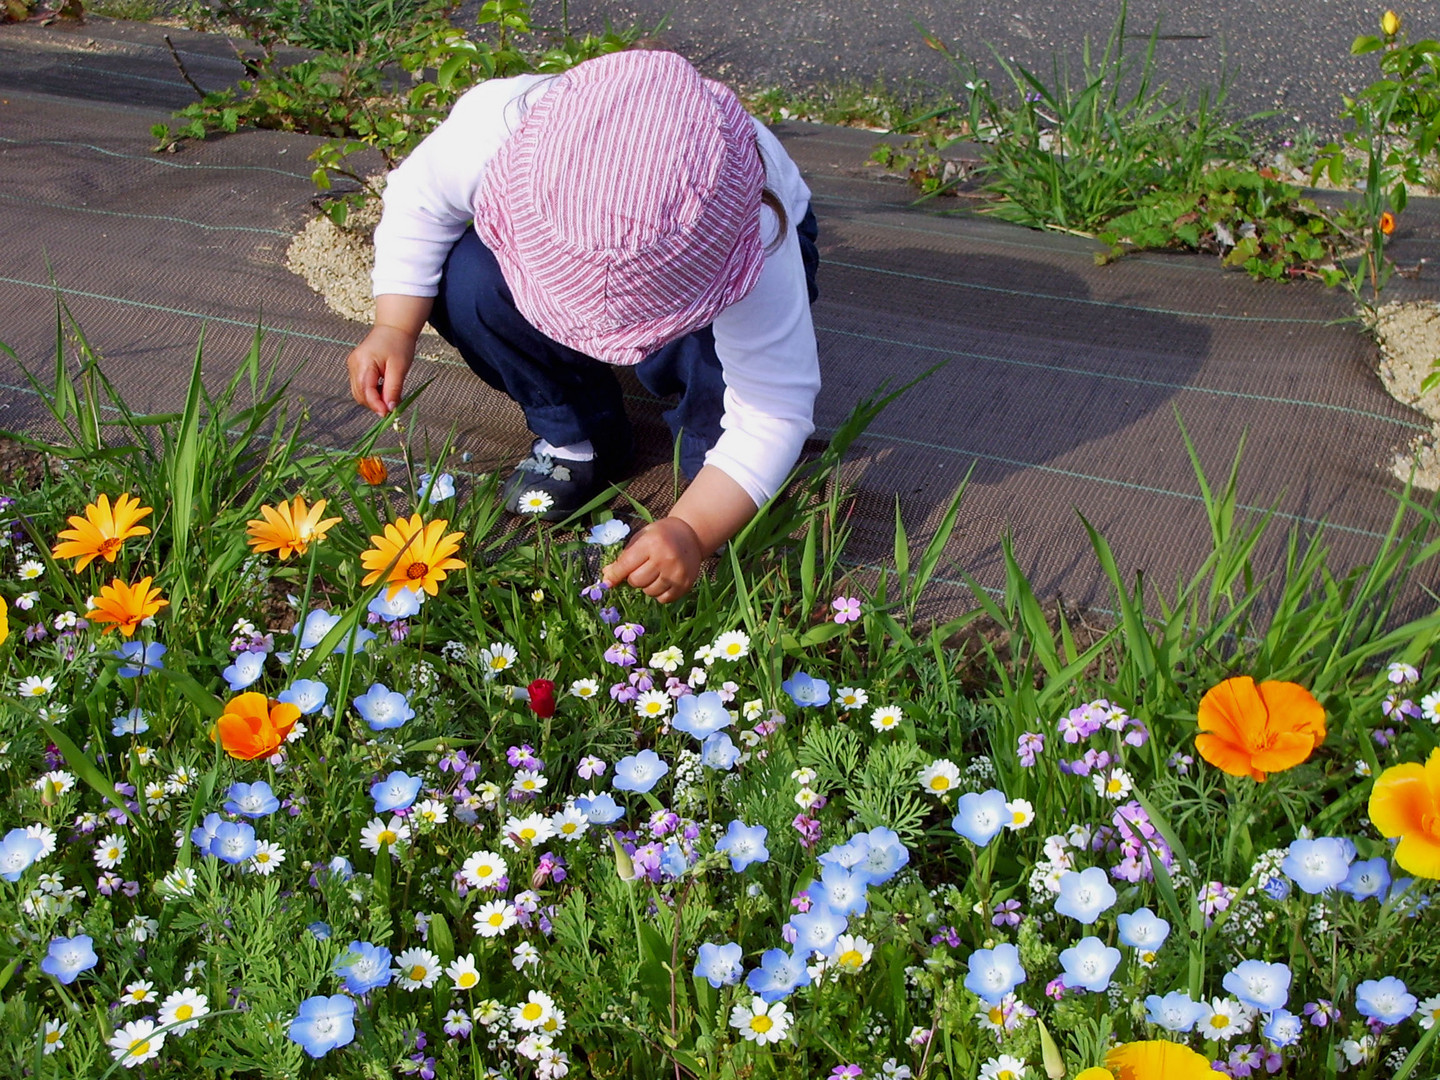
101,531
1405,802
253,726
372,470
1250,730
288,527
1387,223
411,555
1158,1059
124,606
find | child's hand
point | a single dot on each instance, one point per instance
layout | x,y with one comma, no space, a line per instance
663,560
378,366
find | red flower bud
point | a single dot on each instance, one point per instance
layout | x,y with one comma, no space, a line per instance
542,698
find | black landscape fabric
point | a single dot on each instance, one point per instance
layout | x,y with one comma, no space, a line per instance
1058,387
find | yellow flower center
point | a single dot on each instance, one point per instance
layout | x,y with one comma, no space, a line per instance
527,834
184,1012
484,872
569,827
417,973
52,1036
416,570
1219,1021
139,1047
996,1015
467,979
851,958
1005,1074
532,1011
497,918
1113,785
940,783
761,1023
386,836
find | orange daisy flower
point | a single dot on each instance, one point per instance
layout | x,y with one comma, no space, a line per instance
372,470
1405,802
253,726
289,527
1158,1059
412,555
1387,223
1250,730
101,531
124,606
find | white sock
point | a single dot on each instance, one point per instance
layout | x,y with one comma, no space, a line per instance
580,451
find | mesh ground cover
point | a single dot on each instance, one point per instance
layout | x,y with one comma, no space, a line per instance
1060,386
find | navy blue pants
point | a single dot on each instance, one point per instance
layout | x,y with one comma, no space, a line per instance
568,397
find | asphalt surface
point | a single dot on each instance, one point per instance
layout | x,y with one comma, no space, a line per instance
1288,56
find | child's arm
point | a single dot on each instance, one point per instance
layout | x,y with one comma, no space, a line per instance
663,559
378,365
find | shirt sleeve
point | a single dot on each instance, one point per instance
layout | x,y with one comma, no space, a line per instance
767,350
430,196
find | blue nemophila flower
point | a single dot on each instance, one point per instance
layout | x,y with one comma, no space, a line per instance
1319,865
719,752
396,792
203,835
402,605
1367,878
1085,894
1088,965
130,723
383,708
639,772
805,691
608,532
255,800
1176,1011
778,975
340,868
1143,930
840,890
307,695
247,668
882,855
1283,1028
436,489
233,842
320,931
323,1023
745,844
319,623
817,929
17,851
140,658
601,809
719,965
701,715
68,957
1261,986
994,973
364,967
673,861
1386,1001
979,816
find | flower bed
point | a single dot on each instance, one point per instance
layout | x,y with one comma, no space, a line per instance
311,770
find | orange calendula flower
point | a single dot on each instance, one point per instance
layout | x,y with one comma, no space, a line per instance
1405,802
1250,730
1158,1059
372,470
253,726
125,606
289,527
101,531
1387,223
420,555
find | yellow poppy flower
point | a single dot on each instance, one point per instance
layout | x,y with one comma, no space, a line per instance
289,527
1158,1059
101,531
1405,802
412,555
124,606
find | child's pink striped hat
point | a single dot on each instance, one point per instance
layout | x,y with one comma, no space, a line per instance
624,211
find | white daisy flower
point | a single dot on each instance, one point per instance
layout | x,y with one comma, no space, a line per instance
498,656
570,823
1021,814
35,686
417,969
886,718
852,953
483,869
731,645
463,973
31,569
585,688
528,780
760,1023
377,832
652,704
54,1037
850,697
267,858
136,1043
1224,1019
430,812
184,1007
533,1012
940,777
495,917
110,852
1114,785
529,830
534,502
138,993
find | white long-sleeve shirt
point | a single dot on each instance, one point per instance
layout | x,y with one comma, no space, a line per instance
765,342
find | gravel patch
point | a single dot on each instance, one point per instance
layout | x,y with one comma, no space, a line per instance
1409,337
